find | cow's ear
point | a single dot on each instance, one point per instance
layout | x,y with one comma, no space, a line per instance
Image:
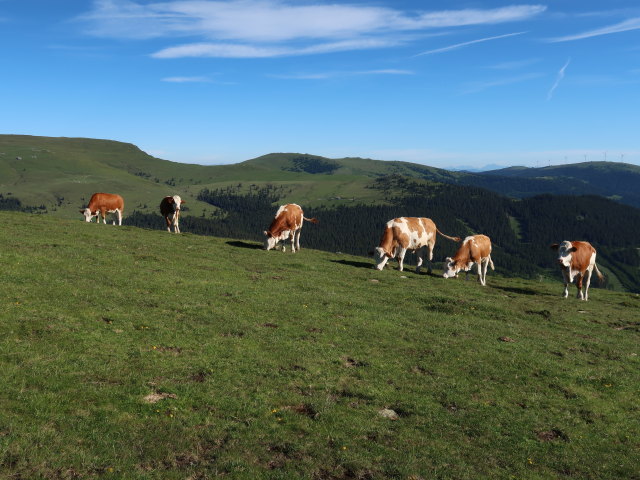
448,259
555,246
573,249
170,199
182,201
266,233
81,211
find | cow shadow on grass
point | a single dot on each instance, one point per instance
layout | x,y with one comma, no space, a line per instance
352,263
371,265
239,244
520,291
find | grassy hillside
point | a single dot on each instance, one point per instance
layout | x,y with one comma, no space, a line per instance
62,173
131,353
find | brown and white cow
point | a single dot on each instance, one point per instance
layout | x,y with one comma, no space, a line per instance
101,204
407,233
286,224
475,249
170,210
577,260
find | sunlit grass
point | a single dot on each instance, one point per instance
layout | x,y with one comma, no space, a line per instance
128,353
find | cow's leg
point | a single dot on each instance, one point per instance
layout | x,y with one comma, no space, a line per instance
479,265
401,254
587,282
292,237
567,281
579,278
430,253
419,254
119,216
176,222
296,234
485,266
103,212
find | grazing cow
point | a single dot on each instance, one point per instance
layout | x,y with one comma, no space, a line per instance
577,260
475,249
170,210
101,204
286,224
407,233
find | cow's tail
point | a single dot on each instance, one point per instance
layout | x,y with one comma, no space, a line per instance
491,263
312,220
455,239
600,276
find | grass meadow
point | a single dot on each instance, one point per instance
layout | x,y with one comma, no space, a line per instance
139,354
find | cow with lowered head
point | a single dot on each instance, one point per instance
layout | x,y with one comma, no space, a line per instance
286,224
407,233
475,250
577,260
170,210
101,204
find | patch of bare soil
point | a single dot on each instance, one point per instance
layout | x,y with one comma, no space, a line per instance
551,435
352,363
157,396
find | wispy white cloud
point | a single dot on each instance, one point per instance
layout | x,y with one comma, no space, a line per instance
229,50
559,78
326,75
259,28
625,26
514,65
466,44
186,79
476,87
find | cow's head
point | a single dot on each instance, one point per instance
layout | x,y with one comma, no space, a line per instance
565,253
380,255
450,268
175,201
87,214
270,241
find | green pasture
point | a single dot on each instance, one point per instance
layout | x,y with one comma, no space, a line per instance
139,354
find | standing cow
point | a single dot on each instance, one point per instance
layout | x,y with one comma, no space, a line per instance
170,210
577,260
475,249
408,233
286,224
103,203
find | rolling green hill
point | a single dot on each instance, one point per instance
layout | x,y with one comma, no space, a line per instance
58,175
62,173
133,353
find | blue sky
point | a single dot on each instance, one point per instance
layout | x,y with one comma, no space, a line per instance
443,83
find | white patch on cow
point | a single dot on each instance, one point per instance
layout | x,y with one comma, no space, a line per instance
283,208
88,215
